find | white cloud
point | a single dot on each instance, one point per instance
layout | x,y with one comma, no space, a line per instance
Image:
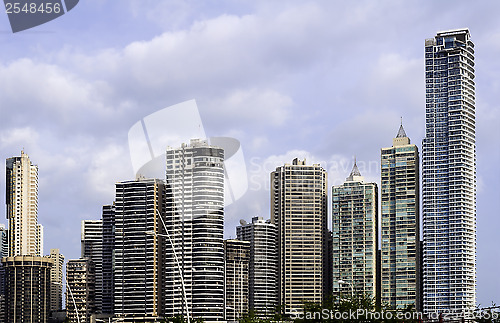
14,138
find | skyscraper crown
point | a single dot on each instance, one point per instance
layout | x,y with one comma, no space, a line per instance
355,173
401,132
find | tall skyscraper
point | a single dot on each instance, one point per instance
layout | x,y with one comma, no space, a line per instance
25,234
80,290
236,261
56,280
91,248
449,174
355,235
263,266
27,280
195,227
108,246
400,259
299,210
138,277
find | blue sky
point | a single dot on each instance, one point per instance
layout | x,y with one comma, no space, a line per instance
321,80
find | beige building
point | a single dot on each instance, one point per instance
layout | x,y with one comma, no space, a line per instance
25,234
299,210
56,280
236,264
80,290
400,244
27,285
355,238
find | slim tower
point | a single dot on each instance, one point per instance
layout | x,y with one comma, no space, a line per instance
108,246
236,261
355,235
299,210
449,174
25,234
400,259
56,280
91,248
194,218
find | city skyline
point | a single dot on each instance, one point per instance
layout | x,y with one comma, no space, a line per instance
324,94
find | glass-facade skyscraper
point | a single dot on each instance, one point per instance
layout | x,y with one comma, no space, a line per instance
263,267
449,174
355,236
400,225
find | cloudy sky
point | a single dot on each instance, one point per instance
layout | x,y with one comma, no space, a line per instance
321,80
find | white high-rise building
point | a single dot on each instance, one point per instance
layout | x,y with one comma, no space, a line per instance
194,217
25,234
56,280
449,174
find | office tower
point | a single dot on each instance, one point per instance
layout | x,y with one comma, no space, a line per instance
400,223
299,210
91,248
56,280
236,261
195,226
80,290
108,246
355,235
139,242
27,280
449,174
25,235
263,266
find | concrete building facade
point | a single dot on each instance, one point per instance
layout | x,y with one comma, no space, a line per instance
25,234
56,280
27,286
299,210
91,248
80,290
236,265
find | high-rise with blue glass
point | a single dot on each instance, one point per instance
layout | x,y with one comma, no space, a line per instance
449,174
